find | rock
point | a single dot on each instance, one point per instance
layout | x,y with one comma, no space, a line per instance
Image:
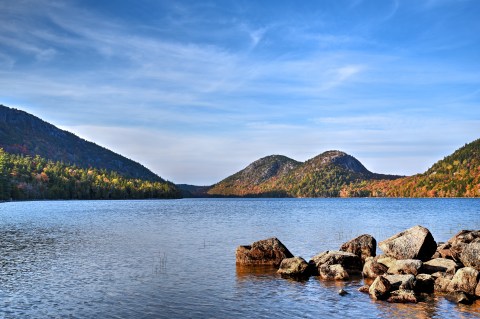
442,281
465,279
406,267
363,246
380,288
414,243
406,282
333,272
470,256
264,252
342,292
350,262
477,290
440,264
364,289
295,267
424,283
385,260
453,248
461,297
373,269
402,296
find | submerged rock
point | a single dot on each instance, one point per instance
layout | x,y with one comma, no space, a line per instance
402,296
295,267
465,279
414,243
405,267
461,297
363,246
373,269
263,252
342,292
364,289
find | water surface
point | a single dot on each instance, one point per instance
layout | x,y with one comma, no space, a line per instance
176,259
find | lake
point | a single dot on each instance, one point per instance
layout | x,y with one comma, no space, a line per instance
176,258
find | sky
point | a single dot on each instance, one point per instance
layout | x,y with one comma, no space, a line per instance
197,90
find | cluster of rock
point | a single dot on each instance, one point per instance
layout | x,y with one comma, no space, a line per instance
412,264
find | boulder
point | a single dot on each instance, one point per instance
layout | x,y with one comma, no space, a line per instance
470,256
373,269
424,283
461,297
363,246
453,248
385,260
440,264
364,289
264,252
406,267
477,290
442,281
465,279
402,296
350,262
380,288
414,243
333,272
295,267
406,282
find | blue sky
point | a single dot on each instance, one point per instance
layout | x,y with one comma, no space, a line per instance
196,90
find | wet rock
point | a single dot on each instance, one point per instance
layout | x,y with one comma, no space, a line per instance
295,267
342,292
461,297
406,282
402,296
264,252
442,265
465,279
414,243
477,290
333,272
373,269
470,256
385,260
406,267
442,281
364,289
380,288
424,283
363,246
454,247
350,262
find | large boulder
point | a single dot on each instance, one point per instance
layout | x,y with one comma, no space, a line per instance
295,267
442,265
454,247
470,255
414,243
424,283
465,279
442,281
363,246
403,296
406,282
380,288
373,269
406,267
333,272
263,252
350,262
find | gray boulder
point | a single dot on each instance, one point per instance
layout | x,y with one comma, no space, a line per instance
440,264
414,243
470,256
295,267
380,288
363,246
406,267
454,247
350,262
263,252
465,279
373,269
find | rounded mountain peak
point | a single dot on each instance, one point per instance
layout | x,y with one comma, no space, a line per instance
340,158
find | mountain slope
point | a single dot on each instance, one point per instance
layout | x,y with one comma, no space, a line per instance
279,176
23,133
457,175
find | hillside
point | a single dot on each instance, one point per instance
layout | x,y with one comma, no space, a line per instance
457,175
23,133
279,176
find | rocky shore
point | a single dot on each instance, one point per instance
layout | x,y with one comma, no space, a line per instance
411,266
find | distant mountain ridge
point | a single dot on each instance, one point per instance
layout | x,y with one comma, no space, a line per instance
23,133
280,176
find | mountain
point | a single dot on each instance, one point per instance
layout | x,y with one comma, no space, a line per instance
279,176
457,175
23,133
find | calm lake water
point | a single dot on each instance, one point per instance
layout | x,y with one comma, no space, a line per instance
176,259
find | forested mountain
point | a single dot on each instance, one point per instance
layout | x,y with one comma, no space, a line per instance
279,176
457,175
23,133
